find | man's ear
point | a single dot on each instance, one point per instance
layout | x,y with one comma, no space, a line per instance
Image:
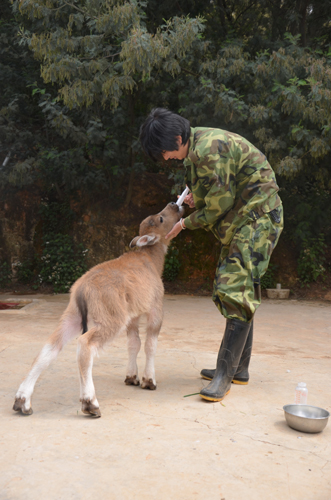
134,242
146,240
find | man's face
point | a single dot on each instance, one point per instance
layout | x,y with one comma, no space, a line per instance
179,154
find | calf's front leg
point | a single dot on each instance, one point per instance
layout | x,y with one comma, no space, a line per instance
134,344
154,323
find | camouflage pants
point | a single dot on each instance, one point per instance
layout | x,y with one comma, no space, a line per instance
237,290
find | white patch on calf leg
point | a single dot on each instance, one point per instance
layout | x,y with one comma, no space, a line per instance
153,329
90,404
134,344
148,378
69,327
87,348
85,356
48,353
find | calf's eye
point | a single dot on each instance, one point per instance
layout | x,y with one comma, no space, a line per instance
161,219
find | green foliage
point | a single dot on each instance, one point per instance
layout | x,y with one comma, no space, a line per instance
307,208
101,63
172,264
5,274
56,217
177,175
268,280
279,103
26,272
105,64
312,259
63,262
78,78
19,117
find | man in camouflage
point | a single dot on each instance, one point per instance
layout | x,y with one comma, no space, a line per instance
234,191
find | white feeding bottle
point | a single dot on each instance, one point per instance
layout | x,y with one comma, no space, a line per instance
301,394
180,200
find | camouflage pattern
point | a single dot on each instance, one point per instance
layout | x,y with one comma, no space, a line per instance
228,177
242,263
235,193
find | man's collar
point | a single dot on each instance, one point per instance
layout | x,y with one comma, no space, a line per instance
191,139
191,154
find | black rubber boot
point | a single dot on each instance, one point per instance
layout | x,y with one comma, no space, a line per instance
234,340
241,376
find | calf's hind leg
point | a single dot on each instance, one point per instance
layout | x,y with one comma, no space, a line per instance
88,345
86,350
69,327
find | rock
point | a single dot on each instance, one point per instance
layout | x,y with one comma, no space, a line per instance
274,293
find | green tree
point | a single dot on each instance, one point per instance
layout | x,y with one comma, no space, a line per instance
103,62
255,67
18,70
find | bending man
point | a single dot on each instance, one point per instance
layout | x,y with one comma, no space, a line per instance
235,193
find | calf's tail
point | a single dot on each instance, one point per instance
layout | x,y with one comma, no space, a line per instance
82,307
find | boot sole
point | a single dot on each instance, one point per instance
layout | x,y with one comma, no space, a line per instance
215,400
239,382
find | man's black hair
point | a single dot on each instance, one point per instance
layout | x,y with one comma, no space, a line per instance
160,131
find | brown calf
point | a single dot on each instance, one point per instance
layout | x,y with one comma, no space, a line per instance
107,300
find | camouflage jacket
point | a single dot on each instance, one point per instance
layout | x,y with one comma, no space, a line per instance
231,182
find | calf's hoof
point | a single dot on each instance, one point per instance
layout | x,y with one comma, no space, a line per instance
90,409
148,384
133,380
19,405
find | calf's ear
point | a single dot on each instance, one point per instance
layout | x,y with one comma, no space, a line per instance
147,240
134,242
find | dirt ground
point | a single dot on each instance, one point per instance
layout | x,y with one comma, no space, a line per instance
168,443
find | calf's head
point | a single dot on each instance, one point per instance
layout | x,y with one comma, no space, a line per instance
154,228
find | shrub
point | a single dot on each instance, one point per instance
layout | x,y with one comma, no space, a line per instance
311,260
171,265
63,262
26,271
268,280
5,273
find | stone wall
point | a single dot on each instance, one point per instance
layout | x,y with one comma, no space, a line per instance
104,226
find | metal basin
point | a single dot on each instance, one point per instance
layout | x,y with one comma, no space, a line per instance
306,418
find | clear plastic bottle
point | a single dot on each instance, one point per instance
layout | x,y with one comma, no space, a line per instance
301,394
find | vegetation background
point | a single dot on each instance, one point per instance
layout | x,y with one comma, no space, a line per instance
78,78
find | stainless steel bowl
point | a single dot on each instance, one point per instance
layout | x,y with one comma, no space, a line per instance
306,418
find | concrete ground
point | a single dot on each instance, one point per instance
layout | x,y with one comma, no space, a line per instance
161,444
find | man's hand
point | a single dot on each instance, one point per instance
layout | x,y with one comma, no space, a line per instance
189,200
175,231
